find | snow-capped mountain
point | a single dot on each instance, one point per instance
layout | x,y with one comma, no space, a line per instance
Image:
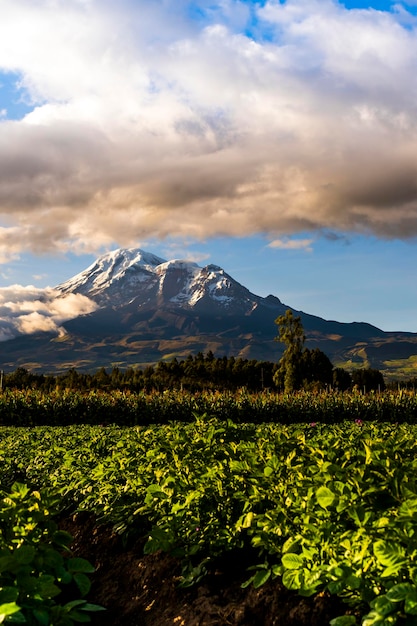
133,276
147,309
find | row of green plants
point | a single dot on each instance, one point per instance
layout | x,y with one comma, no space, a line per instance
326,508
34,407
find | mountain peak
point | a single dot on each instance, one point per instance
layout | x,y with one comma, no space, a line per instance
111,269
124,276
120,260
131,256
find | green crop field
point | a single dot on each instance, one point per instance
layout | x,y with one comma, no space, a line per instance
324,507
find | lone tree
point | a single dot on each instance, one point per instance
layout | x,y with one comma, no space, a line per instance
299,367
291,333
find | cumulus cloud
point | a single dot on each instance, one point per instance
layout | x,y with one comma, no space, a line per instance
26,310
166,118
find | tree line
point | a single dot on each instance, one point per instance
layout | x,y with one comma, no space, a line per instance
196,373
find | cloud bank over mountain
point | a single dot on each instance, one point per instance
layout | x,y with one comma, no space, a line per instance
197,119
27,310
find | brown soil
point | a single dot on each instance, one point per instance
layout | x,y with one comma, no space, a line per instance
142,590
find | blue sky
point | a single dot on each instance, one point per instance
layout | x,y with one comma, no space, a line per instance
276,139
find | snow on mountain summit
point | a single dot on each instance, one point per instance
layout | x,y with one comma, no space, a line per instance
129,276
129,265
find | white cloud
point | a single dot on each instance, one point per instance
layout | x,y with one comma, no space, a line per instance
149,123
292,244
26,310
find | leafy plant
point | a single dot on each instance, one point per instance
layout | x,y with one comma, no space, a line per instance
40,582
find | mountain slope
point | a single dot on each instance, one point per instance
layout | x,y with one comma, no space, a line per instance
150,309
